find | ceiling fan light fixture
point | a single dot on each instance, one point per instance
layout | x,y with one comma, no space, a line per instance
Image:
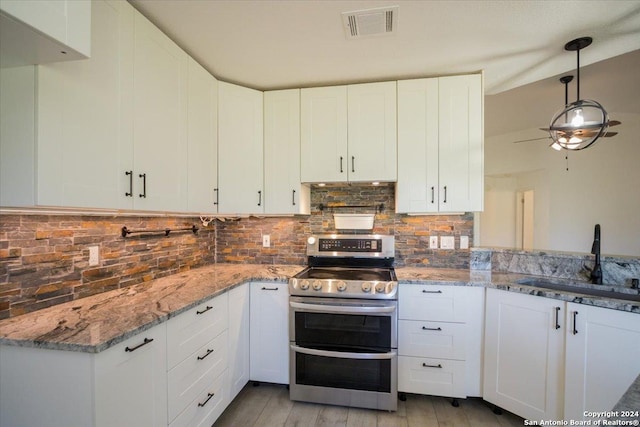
579,124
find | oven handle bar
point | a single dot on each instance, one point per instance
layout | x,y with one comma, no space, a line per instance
343,354
342,308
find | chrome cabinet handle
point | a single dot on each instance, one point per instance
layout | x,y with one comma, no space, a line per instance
144,185
130,175
132,349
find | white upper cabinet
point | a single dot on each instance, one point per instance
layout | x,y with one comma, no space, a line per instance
440,145
37,32
240,150
323,134
283,192
202,140
160,120
84,136
348,133
372,132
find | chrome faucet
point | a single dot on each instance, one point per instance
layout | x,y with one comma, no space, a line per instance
596,273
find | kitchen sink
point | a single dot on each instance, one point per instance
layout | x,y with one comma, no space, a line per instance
587,289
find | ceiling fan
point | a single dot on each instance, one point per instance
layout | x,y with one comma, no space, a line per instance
583,133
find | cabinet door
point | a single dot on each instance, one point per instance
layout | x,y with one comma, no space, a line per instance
85,137
418,112
461,152
238,339
372,132
269,333
240,150
323,129
283,192
602,358
131,381
202,140
160,120
524,354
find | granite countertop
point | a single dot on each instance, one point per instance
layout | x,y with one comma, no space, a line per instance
96,323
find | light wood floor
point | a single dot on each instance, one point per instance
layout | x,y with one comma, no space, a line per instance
269,405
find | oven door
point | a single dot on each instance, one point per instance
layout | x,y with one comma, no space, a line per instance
343,352
348,325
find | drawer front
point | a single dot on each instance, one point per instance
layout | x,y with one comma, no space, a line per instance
438,377
207,407
432,302
432,339
192,329
192,376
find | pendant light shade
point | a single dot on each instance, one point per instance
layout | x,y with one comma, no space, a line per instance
579,124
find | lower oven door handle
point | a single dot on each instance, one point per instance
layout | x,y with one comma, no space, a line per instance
343,354
342,308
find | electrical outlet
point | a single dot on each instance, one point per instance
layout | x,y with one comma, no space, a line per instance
266,241
464,242
94,255
447,242
433,242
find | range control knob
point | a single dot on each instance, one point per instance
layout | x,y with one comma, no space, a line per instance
380,287
391,286
317,285
341,286
366,286
304,285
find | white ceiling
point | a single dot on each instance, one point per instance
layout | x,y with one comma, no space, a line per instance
274,44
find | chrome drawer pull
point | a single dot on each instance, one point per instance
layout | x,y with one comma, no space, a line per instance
205,310
424,328
209,396
209,351
424,365
145,342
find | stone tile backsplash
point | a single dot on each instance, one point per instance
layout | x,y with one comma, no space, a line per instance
44,259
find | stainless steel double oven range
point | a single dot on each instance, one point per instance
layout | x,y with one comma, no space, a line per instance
343,323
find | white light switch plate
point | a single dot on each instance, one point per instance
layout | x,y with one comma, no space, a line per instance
446,242
266,241
464,242
433,242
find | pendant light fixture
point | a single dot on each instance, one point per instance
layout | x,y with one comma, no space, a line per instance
579,124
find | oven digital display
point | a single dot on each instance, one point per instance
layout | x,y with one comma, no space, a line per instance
350,245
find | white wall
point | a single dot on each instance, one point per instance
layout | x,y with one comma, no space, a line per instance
601,186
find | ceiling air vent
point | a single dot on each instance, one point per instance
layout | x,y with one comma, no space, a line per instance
370,22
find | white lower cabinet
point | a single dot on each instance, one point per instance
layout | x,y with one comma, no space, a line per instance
602,358
440,340
238,339
125,385
197,356
524,354
269,337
